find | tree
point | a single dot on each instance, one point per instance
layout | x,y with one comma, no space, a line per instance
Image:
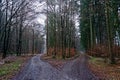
99,31
60,27
17,16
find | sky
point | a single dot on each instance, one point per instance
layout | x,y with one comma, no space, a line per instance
41,19
40,7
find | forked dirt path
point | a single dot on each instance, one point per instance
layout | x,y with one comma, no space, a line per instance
36,69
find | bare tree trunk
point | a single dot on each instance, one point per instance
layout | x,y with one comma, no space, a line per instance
91,25
47,29
5,34
33,41
19,46
109,33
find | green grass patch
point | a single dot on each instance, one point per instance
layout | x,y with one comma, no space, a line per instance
10,67
98,61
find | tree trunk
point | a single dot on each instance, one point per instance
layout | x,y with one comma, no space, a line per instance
109,33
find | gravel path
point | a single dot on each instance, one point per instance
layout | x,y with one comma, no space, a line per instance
36,69
78,70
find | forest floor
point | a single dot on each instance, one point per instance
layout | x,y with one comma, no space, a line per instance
37,69
104,70
10,66
77,68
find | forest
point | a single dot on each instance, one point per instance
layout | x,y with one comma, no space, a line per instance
60,39
98,29
18,33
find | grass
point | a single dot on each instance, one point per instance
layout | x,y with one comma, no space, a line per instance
9,69
98,61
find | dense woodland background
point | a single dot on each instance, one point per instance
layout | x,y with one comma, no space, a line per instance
100,28
18,32
92,26
99,22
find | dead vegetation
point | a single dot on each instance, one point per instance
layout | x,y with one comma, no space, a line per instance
104,70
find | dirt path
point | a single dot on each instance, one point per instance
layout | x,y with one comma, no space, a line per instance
78,70
36,69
